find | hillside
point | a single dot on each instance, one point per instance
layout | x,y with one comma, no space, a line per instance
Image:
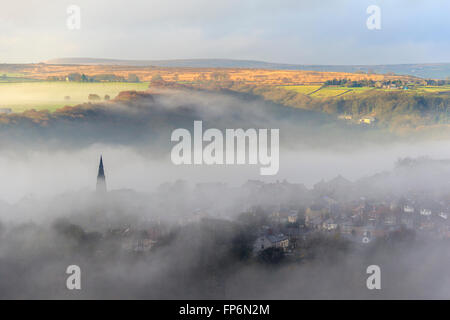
395,102
397,110
185,74
422,70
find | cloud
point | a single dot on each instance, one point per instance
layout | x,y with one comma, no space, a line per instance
306,32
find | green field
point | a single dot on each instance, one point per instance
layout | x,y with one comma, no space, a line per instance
336,91
435,89
14,77
21,96
325,92
11,74
302,89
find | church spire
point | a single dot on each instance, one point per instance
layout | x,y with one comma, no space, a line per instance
101,180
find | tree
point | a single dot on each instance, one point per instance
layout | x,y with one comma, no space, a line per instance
157,77
219,76
157,80
242,244
74,76
201,77
271,255
94,97
133,77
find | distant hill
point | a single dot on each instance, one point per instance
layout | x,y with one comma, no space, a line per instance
422,70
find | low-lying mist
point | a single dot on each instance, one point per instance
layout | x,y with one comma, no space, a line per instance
51,217
49,153
206,258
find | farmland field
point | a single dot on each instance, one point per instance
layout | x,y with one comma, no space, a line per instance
302,89
21,96
435,88
335,91
145,73
325,92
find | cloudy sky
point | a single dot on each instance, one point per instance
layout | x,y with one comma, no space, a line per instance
288,31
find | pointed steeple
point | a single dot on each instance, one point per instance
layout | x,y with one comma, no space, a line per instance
101,172
101,180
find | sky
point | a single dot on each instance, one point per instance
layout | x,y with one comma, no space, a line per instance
284,31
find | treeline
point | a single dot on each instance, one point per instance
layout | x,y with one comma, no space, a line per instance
386,83
350,83
433,82
393,109
77,77
370,83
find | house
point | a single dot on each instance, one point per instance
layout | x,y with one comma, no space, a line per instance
367,120
314,223
279,241
275,214
346,227
316,210
426,225
292,218
425,212
329,224
271,241
345,117
295,233
143,245
408,209
390,220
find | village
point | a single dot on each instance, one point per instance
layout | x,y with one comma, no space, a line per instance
360,222
290,228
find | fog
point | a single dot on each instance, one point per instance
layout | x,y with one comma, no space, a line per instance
50,216
40,173
45,154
